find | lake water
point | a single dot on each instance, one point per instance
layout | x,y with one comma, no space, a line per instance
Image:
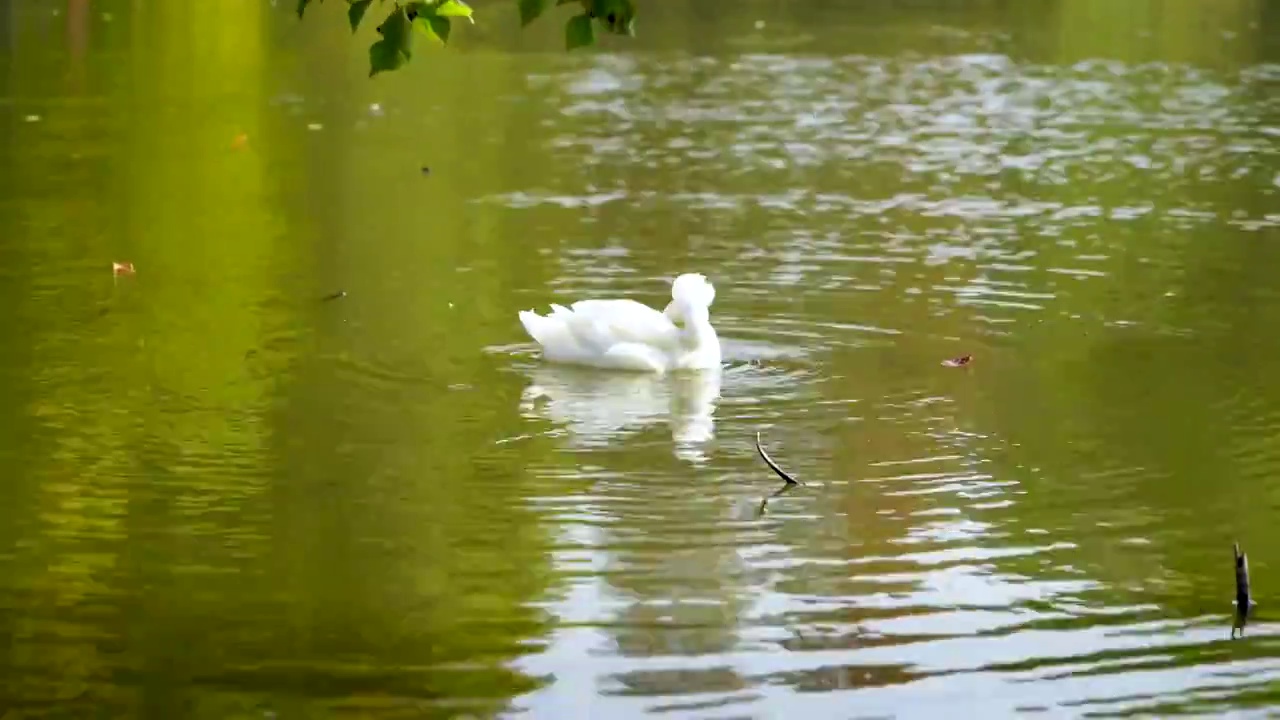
225,496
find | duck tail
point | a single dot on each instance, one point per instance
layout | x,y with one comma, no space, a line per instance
536,325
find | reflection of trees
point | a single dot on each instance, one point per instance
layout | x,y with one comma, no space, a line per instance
1136,422
7,24
1216,35
411,541
1137,404
222,489
219,481
678,598
123,529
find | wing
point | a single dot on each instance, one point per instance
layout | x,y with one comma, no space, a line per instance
625,321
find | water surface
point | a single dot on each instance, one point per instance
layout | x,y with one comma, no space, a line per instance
225,496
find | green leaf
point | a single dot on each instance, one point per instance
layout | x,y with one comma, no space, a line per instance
436,28
396,46
302,7
530,10
454,8
355,12
578,32
617,16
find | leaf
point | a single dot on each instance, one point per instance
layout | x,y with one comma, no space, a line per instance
530,10
355,12
578,32
302,7
396,46
618,16
436,28
454,8
432,17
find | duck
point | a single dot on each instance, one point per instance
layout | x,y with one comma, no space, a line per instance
623,334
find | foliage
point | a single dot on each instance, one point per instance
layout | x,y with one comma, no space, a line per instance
434,20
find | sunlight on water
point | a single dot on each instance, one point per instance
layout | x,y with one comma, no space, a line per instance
305,462
933,182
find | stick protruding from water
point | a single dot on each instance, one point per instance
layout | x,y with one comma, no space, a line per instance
791,482
1244,602
773,465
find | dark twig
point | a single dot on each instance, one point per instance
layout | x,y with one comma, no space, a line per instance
773,465
791,482
1244,603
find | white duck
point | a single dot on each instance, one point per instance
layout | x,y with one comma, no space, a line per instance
627,335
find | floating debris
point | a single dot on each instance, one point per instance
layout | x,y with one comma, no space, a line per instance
957,362
239,141
122,268
314,126
335,296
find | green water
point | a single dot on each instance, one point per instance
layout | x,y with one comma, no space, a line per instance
223,496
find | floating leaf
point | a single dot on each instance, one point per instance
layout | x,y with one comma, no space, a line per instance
355,12
578,32
436,28
530,10
396,46
957,362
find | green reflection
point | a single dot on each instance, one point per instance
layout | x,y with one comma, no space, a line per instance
227,496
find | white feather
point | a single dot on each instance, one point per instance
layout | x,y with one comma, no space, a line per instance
627,335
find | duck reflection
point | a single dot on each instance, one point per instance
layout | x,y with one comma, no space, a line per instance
599,407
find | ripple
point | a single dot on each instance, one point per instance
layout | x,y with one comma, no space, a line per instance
854,211
412,510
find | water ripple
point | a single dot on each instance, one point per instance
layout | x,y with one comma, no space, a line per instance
982,199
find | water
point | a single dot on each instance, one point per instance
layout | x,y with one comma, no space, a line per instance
225,496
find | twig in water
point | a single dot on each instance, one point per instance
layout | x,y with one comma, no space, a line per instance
1244,603
773,465
790,481
764,501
